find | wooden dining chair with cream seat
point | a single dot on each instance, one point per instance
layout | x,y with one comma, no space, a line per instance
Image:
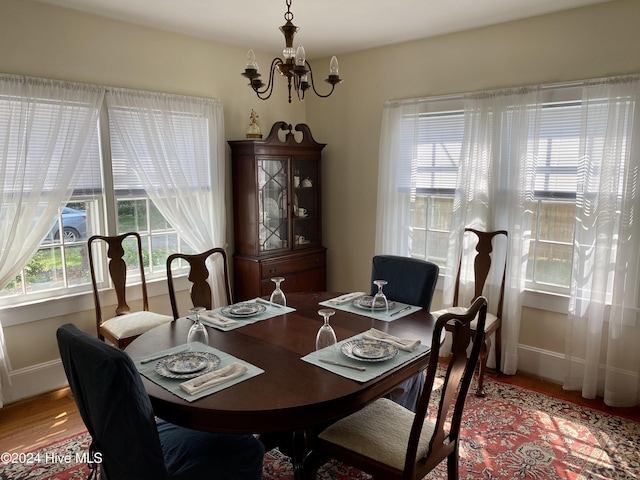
126,325
411,281
388,441
482,267
201,295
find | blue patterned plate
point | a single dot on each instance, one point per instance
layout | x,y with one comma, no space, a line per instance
365,303
243,309
369,350
186,365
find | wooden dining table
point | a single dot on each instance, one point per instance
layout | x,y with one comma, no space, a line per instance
291,395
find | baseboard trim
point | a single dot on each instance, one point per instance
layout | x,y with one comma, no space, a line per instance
35,380
540,363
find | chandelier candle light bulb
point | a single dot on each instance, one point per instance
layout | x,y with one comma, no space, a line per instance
300,56
251,60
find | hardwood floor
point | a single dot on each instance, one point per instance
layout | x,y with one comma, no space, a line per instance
33,423
556,390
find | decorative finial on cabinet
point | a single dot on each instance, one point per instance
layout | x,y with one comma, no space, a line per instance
254,126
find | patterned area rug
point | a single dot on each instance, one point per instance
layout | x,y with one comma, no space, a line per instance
513,433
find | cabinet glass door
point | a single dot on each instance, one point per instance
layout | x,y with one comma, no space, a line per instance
273,203
305,203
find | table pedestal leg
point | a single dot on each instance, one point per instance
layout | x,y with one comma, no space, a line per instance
298,453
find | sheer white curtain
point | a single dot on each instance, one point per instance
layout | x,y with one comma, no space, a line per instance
495,191
45,130
603,333
176,144
396,179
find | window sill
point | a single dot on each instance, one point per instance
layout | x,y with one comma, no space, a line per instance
550,302
79,302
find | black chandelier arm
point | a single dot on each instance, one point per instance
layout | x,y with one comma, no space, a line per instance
313,85
269,87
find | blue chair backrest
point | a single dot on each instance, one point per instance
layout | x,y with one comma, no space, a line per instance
114,406
410,280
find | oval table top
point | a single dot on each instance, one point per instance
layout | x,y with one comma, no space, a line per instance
291,393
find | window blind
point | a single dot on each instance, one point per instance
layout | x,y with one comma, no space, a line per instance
183,145
430,145
25,154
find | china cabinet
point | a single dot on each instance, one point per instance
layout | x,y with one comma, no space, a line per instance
277,213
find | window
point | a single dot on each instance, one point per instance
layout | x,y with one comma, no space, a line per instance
438,147
554,214
61,264
431,142
107,190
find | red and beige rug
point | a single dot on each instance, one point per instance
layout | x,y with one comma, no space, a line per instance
513,433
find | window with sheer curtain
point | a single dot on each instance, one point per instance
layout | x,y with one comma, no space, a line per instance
555,166
113,191
429,181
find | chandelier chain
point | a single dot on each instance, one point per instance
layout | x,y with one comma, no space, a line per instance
288,16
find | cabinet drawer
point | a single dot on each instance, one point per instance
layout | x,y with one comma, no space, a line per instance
292,265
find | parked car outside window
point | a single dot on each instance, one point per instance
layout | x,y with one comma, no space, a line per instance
74,225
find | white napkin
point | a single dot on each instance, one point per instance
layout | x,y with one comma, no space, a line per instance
347,297
406,344
208,380
216,319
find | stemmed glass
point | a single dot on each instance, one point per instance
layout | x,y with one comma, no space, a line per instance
380,298
326,337
197,332
277,296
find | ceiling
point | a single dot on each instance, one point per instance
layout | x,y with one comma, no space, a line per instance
326,26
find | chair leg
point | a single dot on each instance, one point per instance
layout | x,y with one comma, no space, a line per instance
498,349
484,353
452,465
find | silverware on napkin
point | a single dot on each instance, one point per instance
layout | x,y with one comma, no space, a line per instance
333,362
217,319
346,298
208,380
407,344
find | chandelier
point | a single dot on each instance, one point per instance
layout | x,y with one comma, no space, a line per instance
294,67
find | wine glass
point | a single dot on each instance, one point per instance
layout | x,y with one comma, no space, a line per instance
277,296
326,337
380,298
197,332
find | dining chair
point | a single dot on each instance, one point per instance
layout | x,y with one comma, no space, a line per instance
127,442
201,295
126,325
482,267
411,281
388,441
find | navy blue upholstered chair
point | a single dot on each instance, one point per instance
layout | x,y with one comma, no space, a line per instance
118,414
412,281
